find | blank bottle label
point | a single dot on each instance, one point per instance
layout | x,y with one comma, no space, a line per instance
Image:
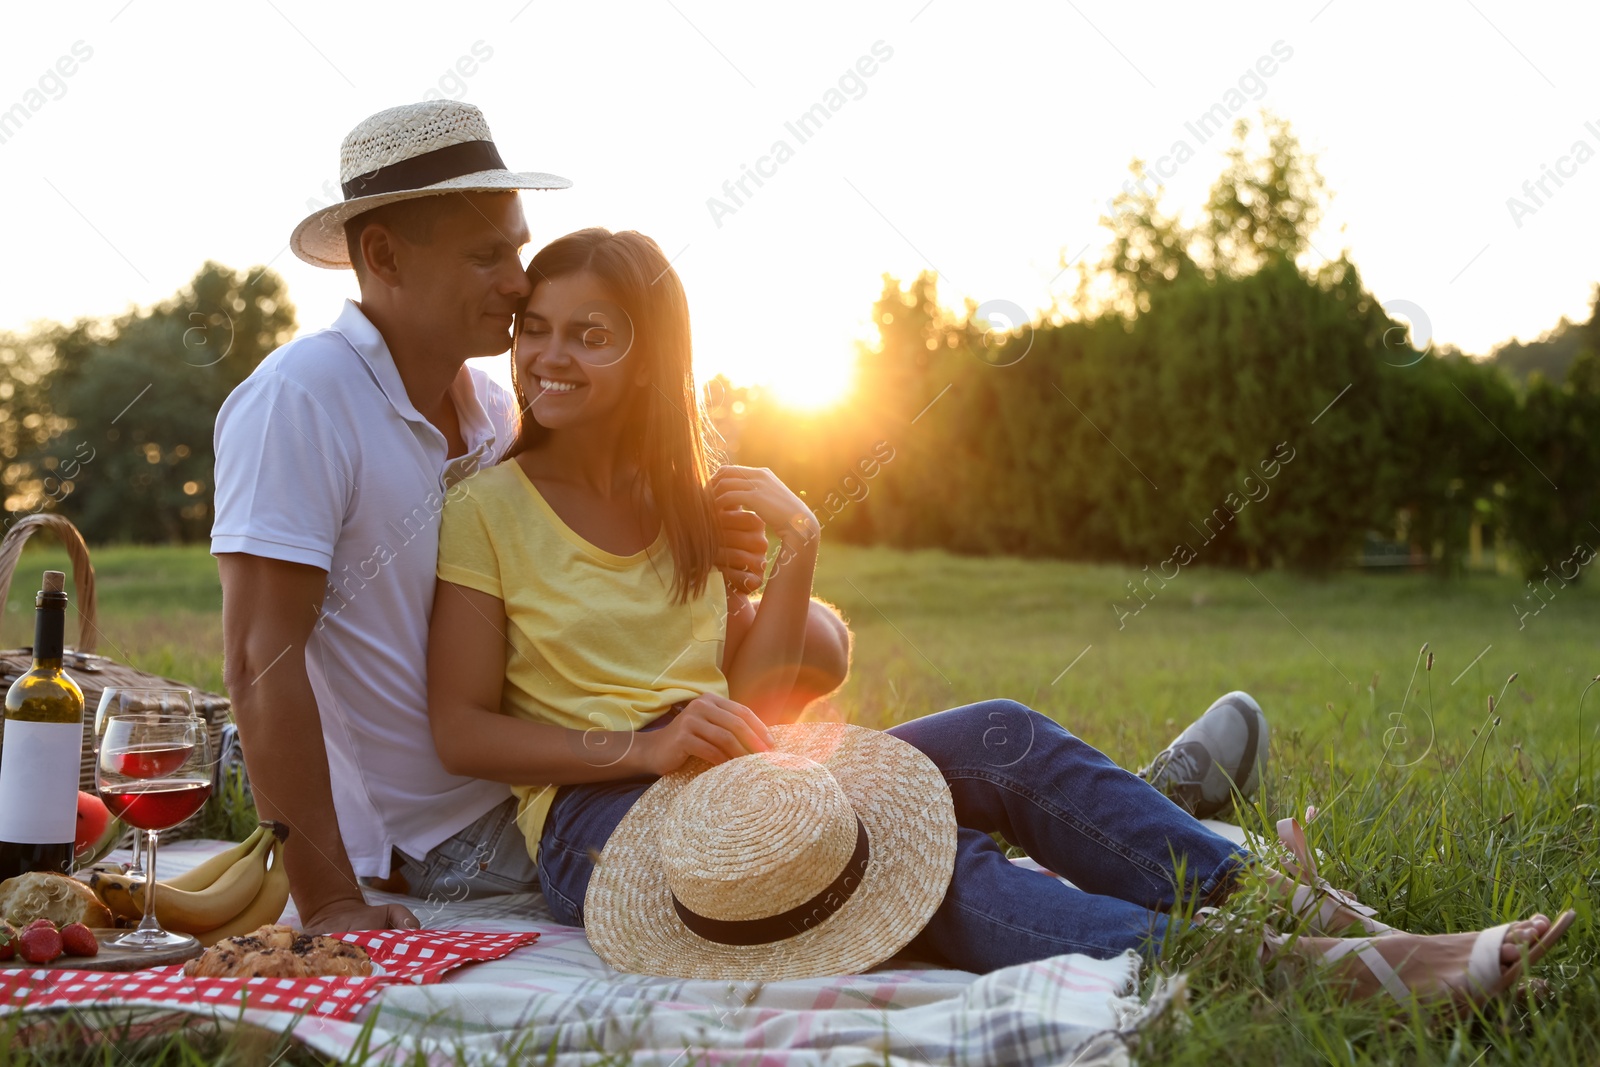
39,782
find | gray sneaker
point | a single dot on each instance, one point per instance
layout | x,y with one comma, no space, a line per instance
1222,752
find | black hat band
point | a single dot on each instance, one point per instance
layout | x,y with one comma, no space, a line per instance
429,168
797,919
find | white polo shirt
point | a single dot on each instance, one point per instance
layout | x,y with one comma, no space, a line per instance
322,459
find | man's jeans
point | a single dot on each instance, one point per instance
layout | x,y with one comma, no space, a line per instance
487,858
1014,772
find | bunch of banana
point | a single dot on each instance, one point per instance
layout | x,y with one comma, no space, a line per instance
231,893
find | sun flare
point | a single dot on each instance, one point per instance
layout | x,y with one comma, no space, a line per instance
812,389
810,368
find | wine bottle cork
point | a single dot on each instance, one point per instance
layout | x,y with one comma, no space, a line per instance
54,582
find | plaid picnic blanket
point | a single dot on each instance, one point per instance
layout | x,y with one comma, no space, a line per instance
555,998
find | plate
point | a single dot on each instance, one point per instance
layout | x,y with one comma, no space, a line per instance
111,957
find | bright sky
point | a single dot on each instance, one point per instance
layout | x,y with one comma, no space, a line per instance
984,144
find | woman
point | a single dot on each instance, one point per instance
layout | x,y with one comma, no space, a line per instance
577,643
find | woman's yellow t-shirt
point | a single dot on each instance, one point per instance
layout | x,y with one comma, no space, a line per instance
594,639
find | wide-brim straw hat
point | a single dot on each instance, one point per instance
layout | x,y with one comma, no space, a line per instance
825,856
440,146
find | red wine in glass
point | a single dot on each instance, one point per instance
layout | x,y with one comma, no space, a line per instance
119,699
151,761
154,771
156,804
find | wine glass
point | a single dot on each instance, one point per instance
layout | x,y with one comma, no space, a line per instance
153,772
135,698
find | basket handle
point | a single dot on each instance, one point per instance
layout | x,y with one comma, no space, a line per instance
82,569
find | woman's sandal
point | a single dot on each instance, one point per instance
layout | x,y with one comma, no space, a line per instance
1315,902
1486,978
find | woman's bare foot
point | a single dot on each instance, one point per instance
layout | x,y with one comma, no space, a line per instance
1429,968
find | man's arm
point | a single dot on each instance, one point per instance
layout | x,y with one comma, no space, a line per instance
268,610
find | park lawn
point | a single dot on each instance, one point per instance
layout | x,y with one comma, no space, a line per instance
159,607
935,630
1447,816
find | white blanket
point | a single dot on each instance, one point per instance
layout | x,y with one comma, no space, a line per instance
556,999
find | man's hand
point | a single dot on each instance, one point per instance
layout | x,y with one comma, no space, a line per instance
741,547
711,727
341,916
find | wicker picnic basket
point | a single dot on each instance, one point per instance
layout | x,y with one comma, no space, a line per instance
93,673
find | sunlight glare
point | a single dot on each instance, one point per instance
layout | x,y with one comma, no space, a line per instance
811,386
812,381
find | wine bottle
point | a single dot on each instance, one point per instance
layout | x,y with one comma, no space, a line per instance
41,749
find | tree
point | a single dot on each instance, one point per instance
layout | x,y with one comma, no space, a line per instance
1264,207
124,448
1552,502
1213,401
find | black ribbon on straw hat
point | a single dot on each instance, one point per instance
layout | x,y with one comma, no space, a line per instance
429,168
801,917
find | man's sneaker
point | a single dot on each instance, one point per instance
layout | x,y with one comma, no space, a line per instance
1223,751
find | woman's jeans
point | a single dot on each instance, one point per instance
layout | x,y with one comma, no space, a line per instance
1014,772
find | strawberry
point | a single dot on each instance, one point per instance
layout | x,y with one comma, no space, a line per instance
8,941
39,944
78,940
39,923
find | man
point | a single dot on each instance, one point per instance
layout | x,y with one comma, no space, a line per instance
334,459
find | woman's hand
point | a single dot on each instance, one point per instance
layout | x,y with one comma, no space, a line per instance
760,491
711,727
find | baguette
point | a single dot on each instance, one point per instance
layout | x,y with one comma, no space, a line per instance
51,895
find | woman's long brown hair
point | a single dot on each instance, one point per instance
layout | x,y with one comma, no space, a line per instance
667,430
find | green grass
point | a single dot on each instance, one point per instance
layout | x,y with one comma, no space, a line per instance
1443,816
160,607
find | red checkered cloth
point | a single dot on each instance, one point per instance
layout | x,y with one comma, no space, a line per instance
416,957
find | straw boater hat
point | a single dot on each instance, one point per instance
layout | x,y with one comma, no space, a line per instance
824,856
442,146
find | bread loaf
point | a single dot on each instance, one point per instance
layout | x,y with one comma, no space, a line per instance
53,896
